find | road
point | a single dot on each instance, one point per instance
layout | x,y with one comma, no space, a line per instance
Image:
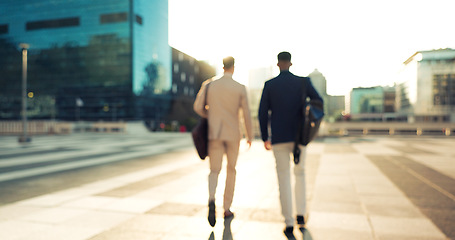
358,187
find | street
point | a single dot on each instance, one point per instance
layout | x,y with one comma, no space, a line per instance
153,186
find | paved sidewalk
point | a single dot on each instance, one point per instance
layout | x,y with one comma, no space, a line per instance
350,198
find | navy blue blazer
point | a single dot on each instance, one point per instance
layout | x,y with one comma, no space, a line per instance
281,103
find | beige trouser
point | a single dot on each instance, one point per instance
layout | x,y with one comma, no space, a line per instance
282,152
217,149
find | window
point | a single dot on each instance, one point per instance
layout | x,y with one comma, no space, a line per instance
3,28
113,18
55,23
183,77
176,67
443,86
139,19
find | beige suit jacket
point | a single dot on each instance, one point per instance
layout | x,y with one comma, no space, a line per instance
227,102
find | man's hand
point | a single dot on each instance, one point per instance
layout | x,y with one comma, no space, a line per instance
268,145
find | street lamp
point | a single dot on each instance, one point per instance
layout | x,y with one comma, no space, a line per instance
24,137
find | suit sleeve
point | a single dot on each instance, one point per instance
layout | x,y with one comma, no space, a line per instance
311,91
263,113
246,115
199,106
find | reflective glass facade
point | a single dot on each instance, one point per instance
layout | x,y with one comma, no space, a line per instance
90,60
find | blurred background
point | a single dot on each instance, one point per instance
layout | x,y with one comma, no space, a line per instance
95,65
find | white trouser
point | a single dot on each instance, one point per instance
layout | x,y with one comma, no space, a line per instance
282,152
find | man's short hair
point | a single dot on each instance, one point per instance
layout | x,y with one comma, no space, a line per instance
284,56
228,62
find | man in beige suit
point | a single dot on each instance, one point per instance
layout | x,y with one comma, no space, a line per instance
227,101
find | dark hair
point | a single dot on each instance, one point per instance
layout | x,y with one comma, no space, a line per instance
284,56
228,62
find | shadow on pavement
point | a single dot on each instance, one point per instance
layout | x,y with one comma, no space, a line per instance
227,234
306,235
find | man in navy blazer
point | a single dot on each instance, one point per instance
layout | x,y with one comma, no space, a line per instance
281,105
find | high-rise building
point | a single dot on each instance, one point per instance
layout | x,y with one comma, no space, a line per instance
426,89
89,60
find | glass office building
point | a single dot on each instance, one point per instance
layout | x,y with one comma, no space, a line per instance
88,59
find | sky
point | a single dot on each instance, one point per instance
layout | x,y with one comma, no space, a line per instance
353,43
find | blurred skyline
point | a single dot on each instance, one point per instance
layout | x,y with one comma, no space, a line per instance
354,43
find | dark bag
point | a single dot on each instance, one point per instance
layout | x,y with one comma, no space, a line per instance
200,133
314,112
311,119
200,137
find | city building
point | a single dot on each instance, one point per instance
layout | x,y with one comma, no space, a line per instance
334,106
426,89
187,77
320,84
256,79
87,60
372,104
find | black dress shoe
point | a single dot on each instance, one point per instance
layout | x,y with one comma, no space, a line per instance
301,221
212,214
289,232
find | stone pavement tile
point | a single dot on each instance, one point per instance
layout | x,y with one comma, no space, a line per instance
260,230
90,202
267,215
270,201
343,221
406,227
337,207
401,237
171,208
14,211
54,215
339,149
338,234
315,148
383,188
131,205
411,150
128,234
443,164
15,229
99,220
374,148
64,232
48,200
158,226
390,206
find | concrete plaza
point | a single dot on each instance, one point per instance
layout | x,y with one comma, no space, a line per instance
358,188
